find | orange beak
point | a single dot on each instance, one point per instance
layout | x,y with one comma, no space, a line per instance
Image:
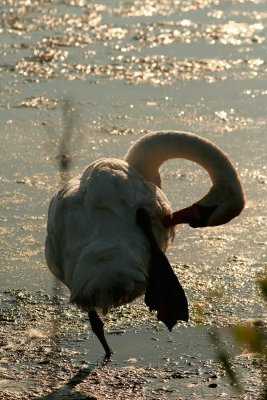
184,216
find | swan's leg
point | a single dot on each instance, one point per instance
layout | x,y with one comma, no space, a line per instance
98,328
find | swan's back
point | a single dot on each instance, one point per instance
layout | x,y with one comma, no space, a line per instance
93,243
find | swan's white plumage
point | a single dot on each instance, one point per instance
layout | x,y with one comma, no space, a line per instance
94,244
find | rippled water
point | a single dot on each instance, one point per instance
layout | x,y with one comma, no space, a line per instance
126,68
109,72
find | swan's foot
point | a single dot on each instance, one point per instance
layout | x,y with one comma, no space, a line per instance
98,329
164,292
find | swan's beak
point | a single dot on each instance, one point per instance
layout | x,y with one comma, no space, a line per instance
196,216
184,216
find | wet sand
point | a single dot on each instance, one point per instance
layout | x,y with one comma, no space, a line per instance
148,361
110,72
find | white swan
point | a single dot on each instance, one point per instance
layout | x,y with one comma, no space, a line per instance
94,243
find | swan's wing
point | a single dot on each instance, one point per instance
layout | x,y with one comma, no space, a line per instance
93,244
112,184
67,225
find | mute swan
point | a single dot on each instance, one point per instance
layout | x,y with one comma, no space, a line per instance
107,230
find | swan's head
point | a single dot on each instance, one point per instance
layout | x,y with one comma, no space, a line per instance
220,205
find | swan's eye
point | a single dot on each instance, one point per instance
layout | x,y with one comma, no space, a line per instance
204,214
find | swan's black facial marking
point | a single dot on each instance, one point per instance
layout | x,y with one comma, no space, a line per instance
204,213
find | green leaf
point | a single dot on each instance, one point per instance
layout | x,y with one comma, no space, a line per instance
224,358
263,286
250,336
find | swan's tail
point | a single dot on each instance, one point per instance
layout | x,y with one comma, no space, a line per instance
164,292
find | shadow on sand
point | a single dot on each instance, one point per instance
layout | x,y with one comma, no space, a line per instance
66,391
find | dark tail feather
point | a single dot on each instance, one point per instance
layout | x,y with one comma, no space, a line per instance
165,295
164,292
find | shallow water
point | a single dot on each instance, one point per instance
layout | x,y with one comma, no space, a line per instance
109,72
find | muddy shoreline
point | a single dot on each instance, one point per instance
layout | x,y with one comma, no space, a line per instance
48,352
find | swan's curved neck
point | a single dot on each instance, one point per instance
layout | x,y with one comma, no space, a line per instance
148,153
